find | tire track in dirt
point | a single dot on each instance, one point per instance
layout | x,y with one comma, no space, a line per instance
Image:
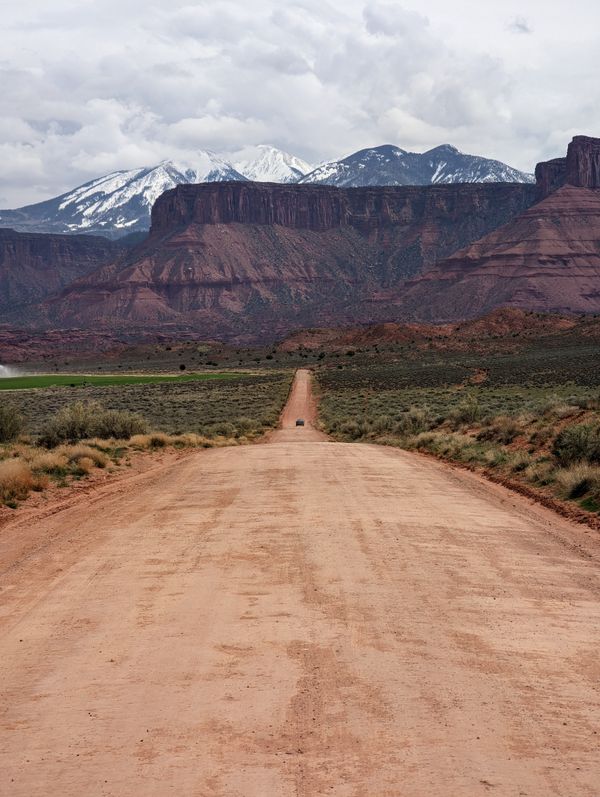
284,619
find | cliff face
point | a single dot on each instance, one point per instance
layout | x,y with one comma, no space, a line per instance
319,208
548,259
583,162
33,266
549,176
580,168
253,261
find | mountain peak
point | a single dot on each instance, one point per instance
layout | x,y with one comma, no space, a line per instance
390,165
443,149
120,202
267,164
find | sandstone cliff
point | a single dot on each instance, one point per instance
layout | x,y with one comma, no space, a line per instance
580,168
547,259
256,260
253,261
33,266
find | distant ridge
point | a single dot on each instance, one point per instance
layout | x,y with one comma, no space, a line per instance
120,202
390,165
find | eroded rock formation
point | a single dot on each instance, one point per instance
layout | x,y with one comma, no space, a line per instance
546,259
34,265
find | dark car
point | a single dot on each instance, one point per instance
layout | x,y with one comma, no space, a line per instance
300,422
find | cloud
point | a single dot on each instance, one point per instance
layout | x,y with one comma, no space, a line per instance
83,95
519,25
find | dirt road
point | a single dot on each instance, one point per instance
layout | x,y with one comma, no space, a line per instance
303,620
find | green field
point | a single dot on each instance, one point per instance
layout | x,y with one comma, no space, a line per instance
204,405
108,380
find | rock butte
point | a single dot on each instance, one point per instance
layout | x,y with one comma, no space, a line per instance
254,261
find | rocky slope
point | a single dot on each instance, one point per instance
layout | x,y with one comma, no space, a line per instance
251,261
34,266
389,165
548,258
503,329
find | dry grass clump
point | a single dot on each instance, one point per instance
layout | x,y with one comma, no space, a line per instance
579,480
84,466
51,462
77,452
16,481
145,442
541,472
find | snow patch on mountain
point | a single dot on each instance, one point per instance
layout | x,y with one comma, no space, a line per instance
270,165
120,201
390,165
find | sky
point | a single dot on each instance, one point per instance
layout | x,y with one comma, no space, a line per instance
92,86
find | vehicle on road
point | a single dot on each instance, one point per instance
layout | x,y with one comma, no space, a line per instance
300,422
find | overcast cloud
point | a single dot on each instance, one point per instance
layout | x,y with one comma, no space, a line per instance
91,86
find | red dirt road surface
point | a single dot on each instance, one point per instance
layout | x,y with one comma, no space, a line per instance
285,619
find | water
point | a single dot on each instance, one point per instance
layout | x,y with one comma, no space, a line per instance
6,371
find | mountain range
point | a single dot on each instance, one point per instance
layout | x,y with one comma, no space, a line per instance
389,165
249,262
120,202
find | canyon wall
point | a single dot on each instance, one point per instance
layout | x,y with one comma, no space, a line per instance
580,168
34,265
253,261
319,208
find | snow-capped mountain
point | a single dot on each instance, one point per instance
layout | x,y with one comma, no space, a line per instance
271,165
390,165
119,202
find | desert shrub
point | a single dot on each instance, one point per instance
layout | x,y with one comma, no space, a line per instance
502,429
11,422
245,425
382,424
578,443
579,480
120,424
73,422
351,429
83,420
414,421
16,480
223,429
467,412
